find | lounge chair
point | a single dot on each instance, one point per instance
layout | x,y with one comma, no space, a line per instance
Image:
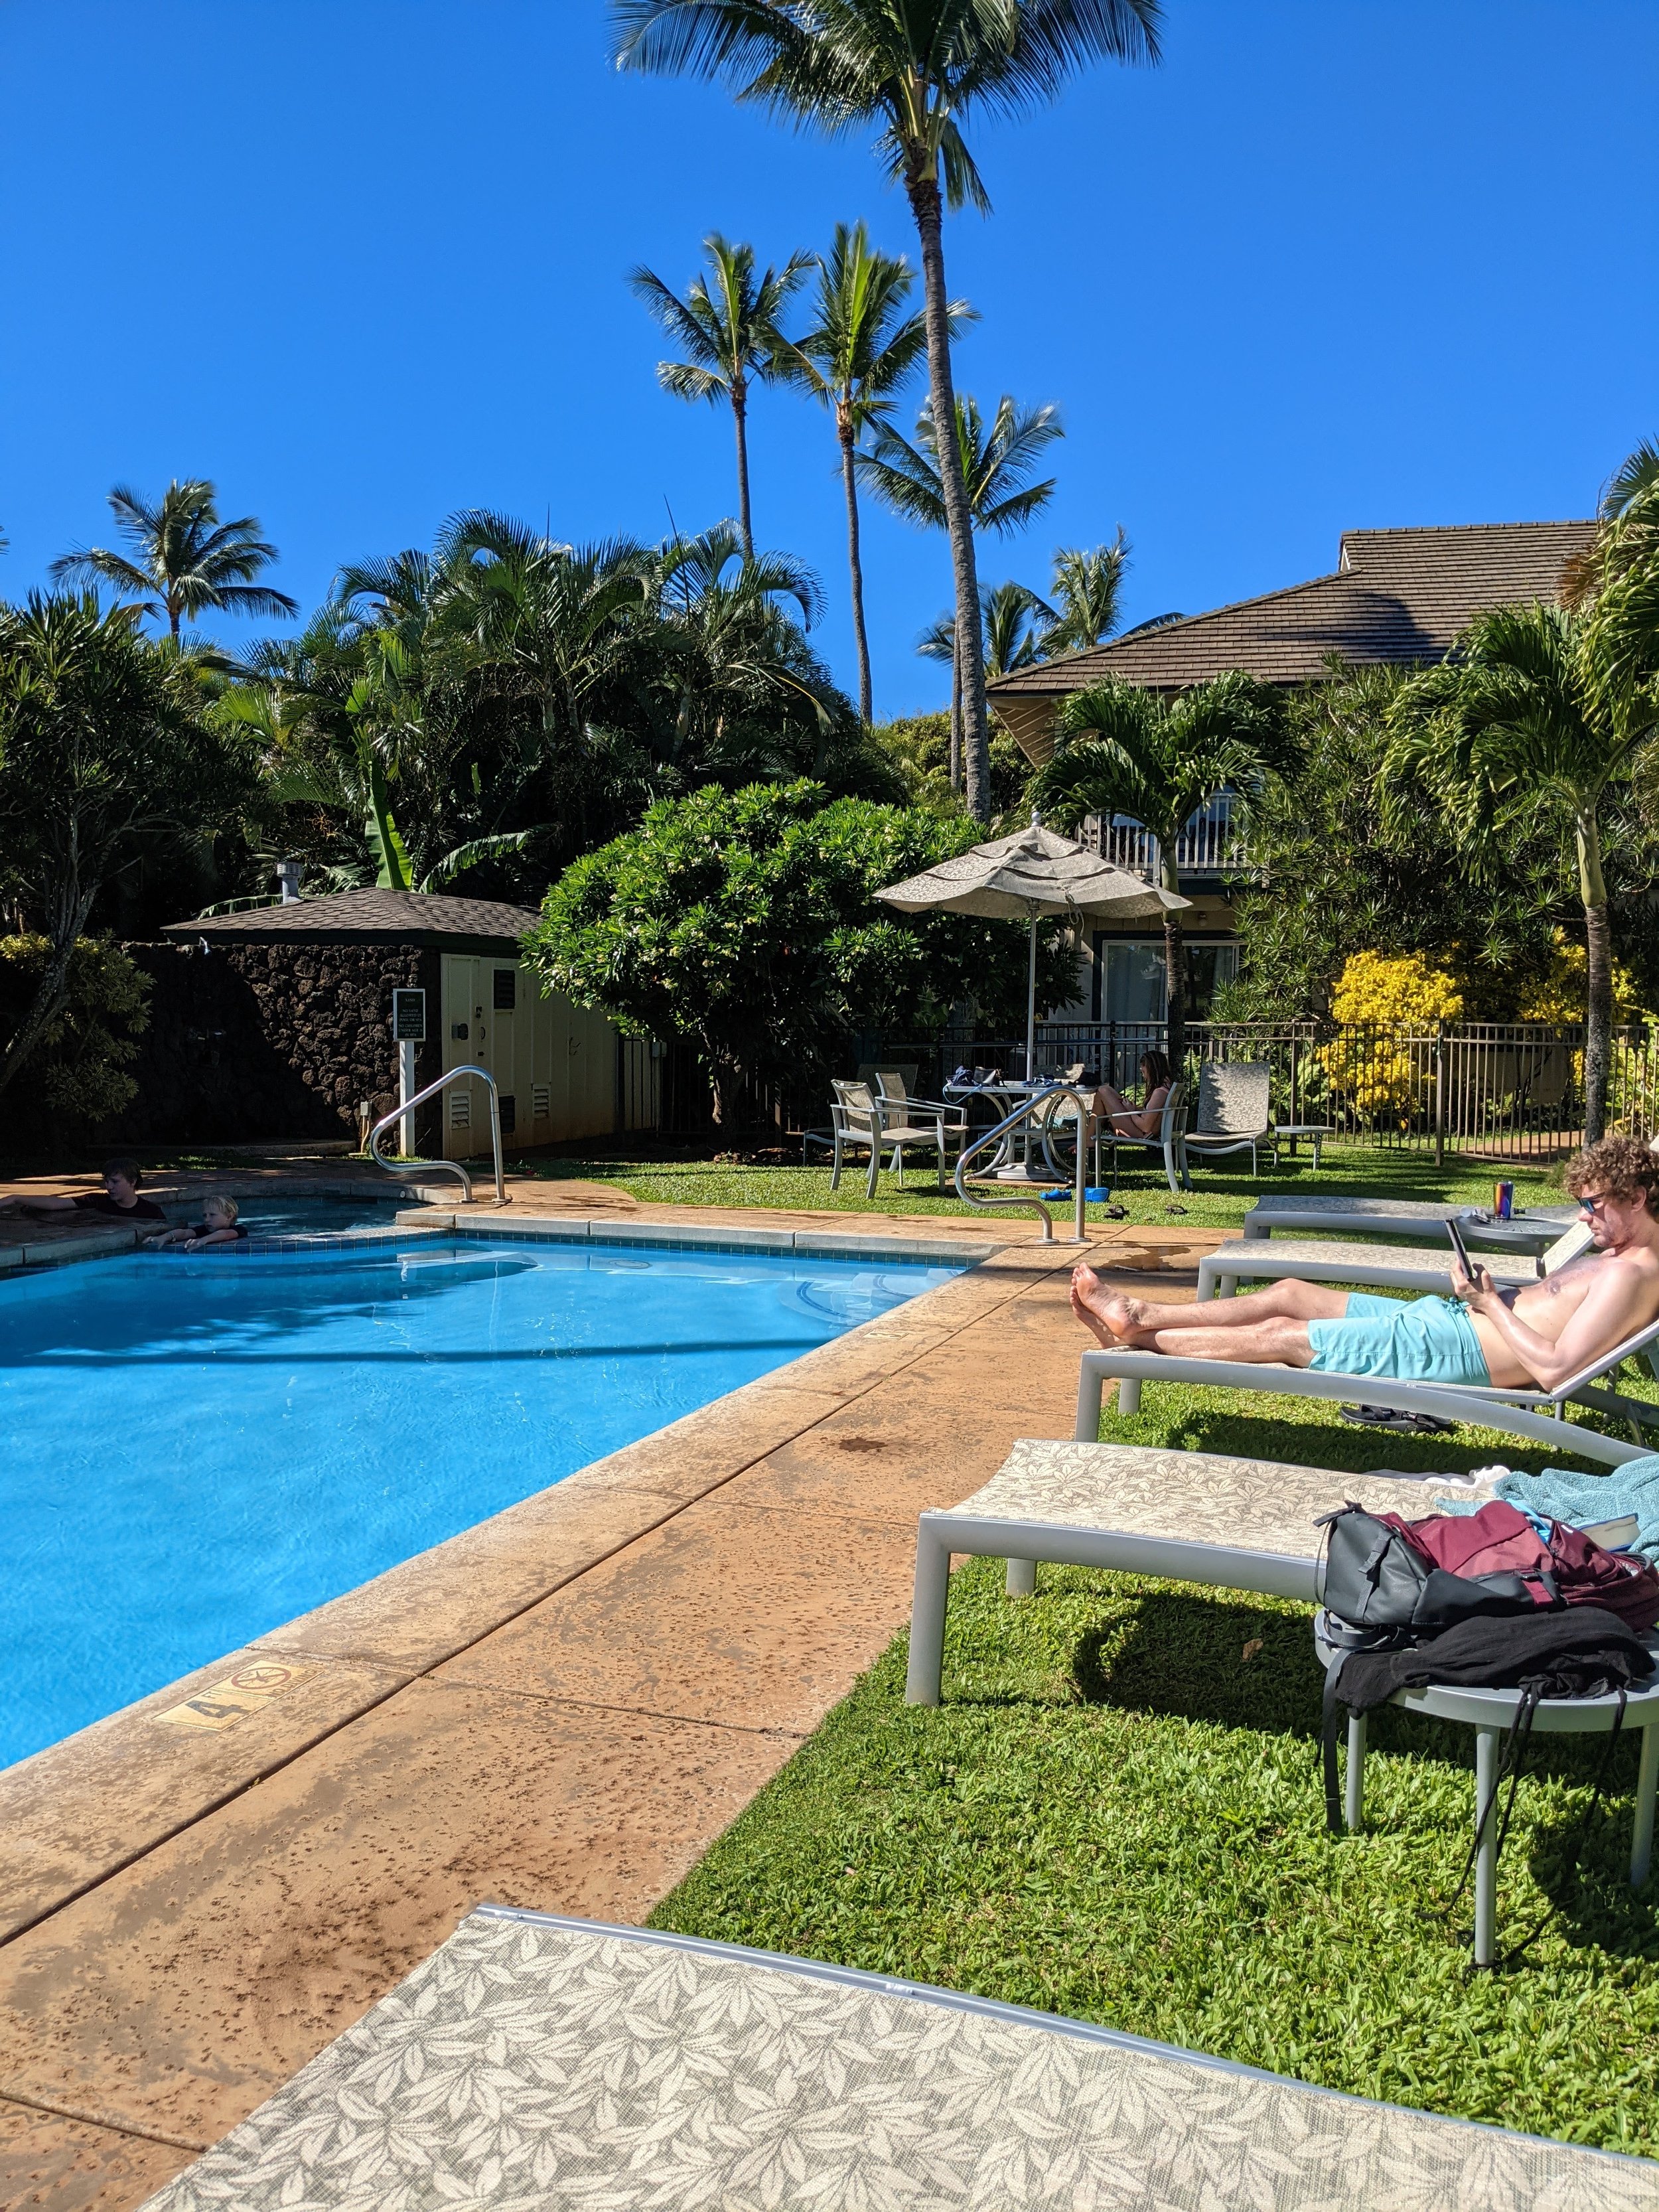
1483,1404
1233,1524
1171,1132
864,1121
536,2059
1235,1112
1262,1260
1421,1221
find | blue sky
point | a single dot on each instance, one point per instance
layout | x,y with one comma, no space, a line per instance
1336,264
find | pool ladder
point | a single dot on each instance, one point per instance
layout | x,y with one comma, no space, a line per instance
1035,1115
450,1167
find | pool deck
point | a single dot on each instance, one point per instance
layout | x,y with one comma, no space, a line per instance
559,1708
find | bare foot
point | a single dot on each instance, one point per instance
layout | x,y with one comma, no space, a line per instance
1108,1315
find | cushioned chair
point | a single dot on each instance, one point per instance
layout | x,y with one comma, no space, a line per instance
1235,1112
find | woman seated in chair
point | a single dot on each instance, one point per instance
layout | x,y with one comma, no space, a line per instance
1143,1120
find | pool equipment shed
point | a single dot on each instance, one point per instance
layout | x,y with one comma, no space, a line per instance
340,997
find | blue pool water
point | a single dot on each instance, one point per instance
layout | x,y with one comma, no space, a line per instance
196,1448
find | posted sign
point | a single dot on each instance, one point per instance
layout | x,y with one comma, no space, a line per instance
408,1016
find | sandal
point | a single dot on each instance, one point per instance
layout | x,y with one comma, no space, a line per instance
1408,1425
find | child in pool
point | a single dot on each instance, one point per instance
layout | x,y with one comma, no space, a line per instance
218,1226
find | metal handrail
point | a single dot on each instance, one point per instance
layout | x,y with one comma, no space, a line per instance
1045,1102
453,1167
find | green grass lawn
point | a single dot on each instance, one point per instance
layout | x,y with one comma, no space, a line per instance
1221,1198
1116,1814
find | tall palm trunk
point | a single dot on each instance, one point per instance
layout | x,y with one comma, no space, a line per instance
740,420
855,566
1598,946
926,205
1175,963
956,716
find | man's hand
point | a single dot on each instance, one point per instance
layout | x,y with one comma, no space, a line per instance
1478,1292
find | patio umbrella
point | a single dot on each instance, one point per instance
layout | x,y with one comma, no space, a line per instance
1033,875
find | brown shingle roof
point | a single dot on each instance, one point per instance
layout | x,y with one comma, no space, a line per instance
406,917
1395,595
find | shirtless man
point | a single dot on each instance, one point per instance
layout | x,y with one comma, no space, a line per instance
1533,1336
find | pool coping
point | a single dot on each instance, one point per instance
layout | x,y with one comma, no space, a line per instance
68,1812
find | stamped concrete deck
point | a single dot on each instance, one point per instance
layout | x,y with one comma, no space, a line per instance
560,1709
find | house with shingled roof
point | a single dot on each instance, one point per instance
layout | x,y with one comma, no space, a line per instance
1395,596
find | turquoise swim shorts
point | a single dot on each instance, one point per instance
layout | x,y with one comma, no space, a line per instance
1427,1340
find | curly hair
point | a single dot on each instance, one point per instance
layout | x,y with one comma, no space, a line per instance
1623,1167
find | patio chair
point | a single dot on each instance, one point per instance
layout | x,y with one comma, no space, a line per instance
1238,1524
1522,1413
864,1121
538,2058
1235,1111
1170,1139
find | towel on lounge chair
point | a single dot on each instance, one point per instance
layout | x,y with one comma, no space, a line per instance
1427,1340
1580,1500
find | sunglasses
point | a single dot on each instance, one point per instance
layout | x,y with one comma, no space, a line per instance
1592,1205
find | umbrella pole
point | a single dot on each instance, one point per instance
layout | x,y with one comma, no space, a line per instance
1030,1009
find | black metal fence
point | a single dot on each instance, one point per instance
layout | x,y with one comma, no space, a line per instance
1501,1090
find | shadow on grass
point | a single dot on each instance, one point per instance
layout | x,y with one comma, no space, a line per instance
1235,1665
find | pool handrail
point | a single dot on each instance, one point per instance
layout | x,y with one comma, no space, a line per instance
1040,1102
453,1167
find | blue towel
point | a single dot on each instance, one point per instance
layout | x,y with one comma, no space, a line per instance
1581,1499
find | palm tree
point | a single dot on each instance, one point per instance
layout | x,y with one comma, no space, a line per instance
996,466
187,561
1542,712
1122,751
729,328
916,71
1086,590
1012,619
860,349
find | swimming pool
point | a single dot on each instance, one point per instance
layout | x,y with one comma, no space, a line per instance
196,1448
319,1215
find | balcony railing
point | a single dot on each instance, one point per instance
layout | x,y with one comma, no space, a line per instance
1211,844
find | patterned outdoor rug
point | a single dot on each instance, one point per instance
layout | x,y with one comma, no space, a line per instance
540,2063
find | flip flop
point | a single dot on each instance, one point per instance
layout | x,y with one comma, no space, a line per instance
1385,1417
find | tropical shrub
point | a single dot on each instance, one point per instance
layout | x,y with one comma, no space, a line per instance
1376,1076
746,921
77,1076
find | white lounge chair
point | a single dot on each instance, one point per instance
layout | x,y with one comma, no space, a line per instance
1483,1405
1419,1221
1262,1260
1238,1524
538,2060
1235,1112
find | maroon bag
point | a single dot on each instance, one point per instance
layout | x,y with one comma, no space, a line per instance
1571,1569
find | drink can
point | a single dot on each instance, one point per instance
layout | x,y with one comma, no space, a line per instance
1503,1201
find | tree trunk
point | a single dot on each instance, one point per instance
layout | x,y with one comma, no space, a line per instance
1175,969
927,207
740,419
1598,945
855,566
956,717
725,1080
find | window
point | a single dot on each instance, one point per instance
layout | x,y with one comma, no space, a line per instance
1210,966
505,987
1134,987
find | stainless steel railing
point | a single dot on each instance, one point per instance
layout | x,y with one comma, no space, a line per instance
1042,1103
450,1167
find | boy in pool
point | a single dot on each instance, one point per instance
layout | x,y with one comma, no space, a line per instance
1531,1337
118,1201
218,1226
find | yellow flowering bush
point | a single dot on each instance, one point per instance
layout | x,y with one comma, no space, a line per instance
1377,1076
1558,995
